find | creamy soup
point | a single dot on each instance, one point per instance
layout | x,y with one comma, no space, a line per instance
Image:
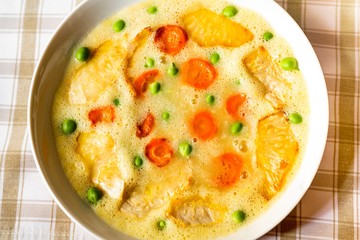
184,120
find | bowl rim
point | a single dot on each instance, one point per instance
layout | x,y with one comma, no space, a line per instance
322,128
30,121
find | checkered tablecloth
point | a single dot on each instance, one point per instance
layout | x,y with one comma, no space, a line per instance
329,209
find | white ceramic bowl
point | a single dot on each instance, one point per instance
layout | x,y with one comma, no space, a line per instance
49,73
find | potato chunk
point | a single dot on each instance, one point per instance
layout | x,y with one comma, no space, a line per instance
195,211
92,78
107,175
154,195
100,162
132,57
260,64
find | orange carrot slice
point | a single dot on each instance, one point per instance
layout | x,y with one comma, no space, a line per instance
142,82
198,73
159,151
234,104
171,39
102,114
145,128
227,169
204,126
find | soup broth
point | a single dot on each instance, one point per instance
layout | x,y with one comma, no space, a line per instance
179,141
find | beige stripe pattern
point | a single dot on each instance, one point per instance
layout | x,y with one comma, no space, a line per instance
13,160
345,164
329,210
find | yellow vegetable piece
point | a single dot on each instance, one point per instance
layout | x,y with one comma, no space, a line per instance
107,175
209,29
93,146
155,195
276,151
94,76
100,162
260,64
195,211
132,57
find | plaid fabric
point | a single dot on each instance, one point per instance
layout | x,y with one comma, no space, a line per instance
330,208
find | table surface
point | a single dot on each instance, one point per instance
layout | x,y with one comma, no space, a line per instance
329,209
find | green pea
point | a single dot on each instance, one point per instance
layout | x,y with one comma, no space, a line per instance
229,11
93,195
82,54
238,216
116,102
138,162
119,25
68,126
210,99
236,127
214,58
155,87
165,116
173,70
161,224
150,62
152,10
267,36
238,82
295,118
185,149
289,64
